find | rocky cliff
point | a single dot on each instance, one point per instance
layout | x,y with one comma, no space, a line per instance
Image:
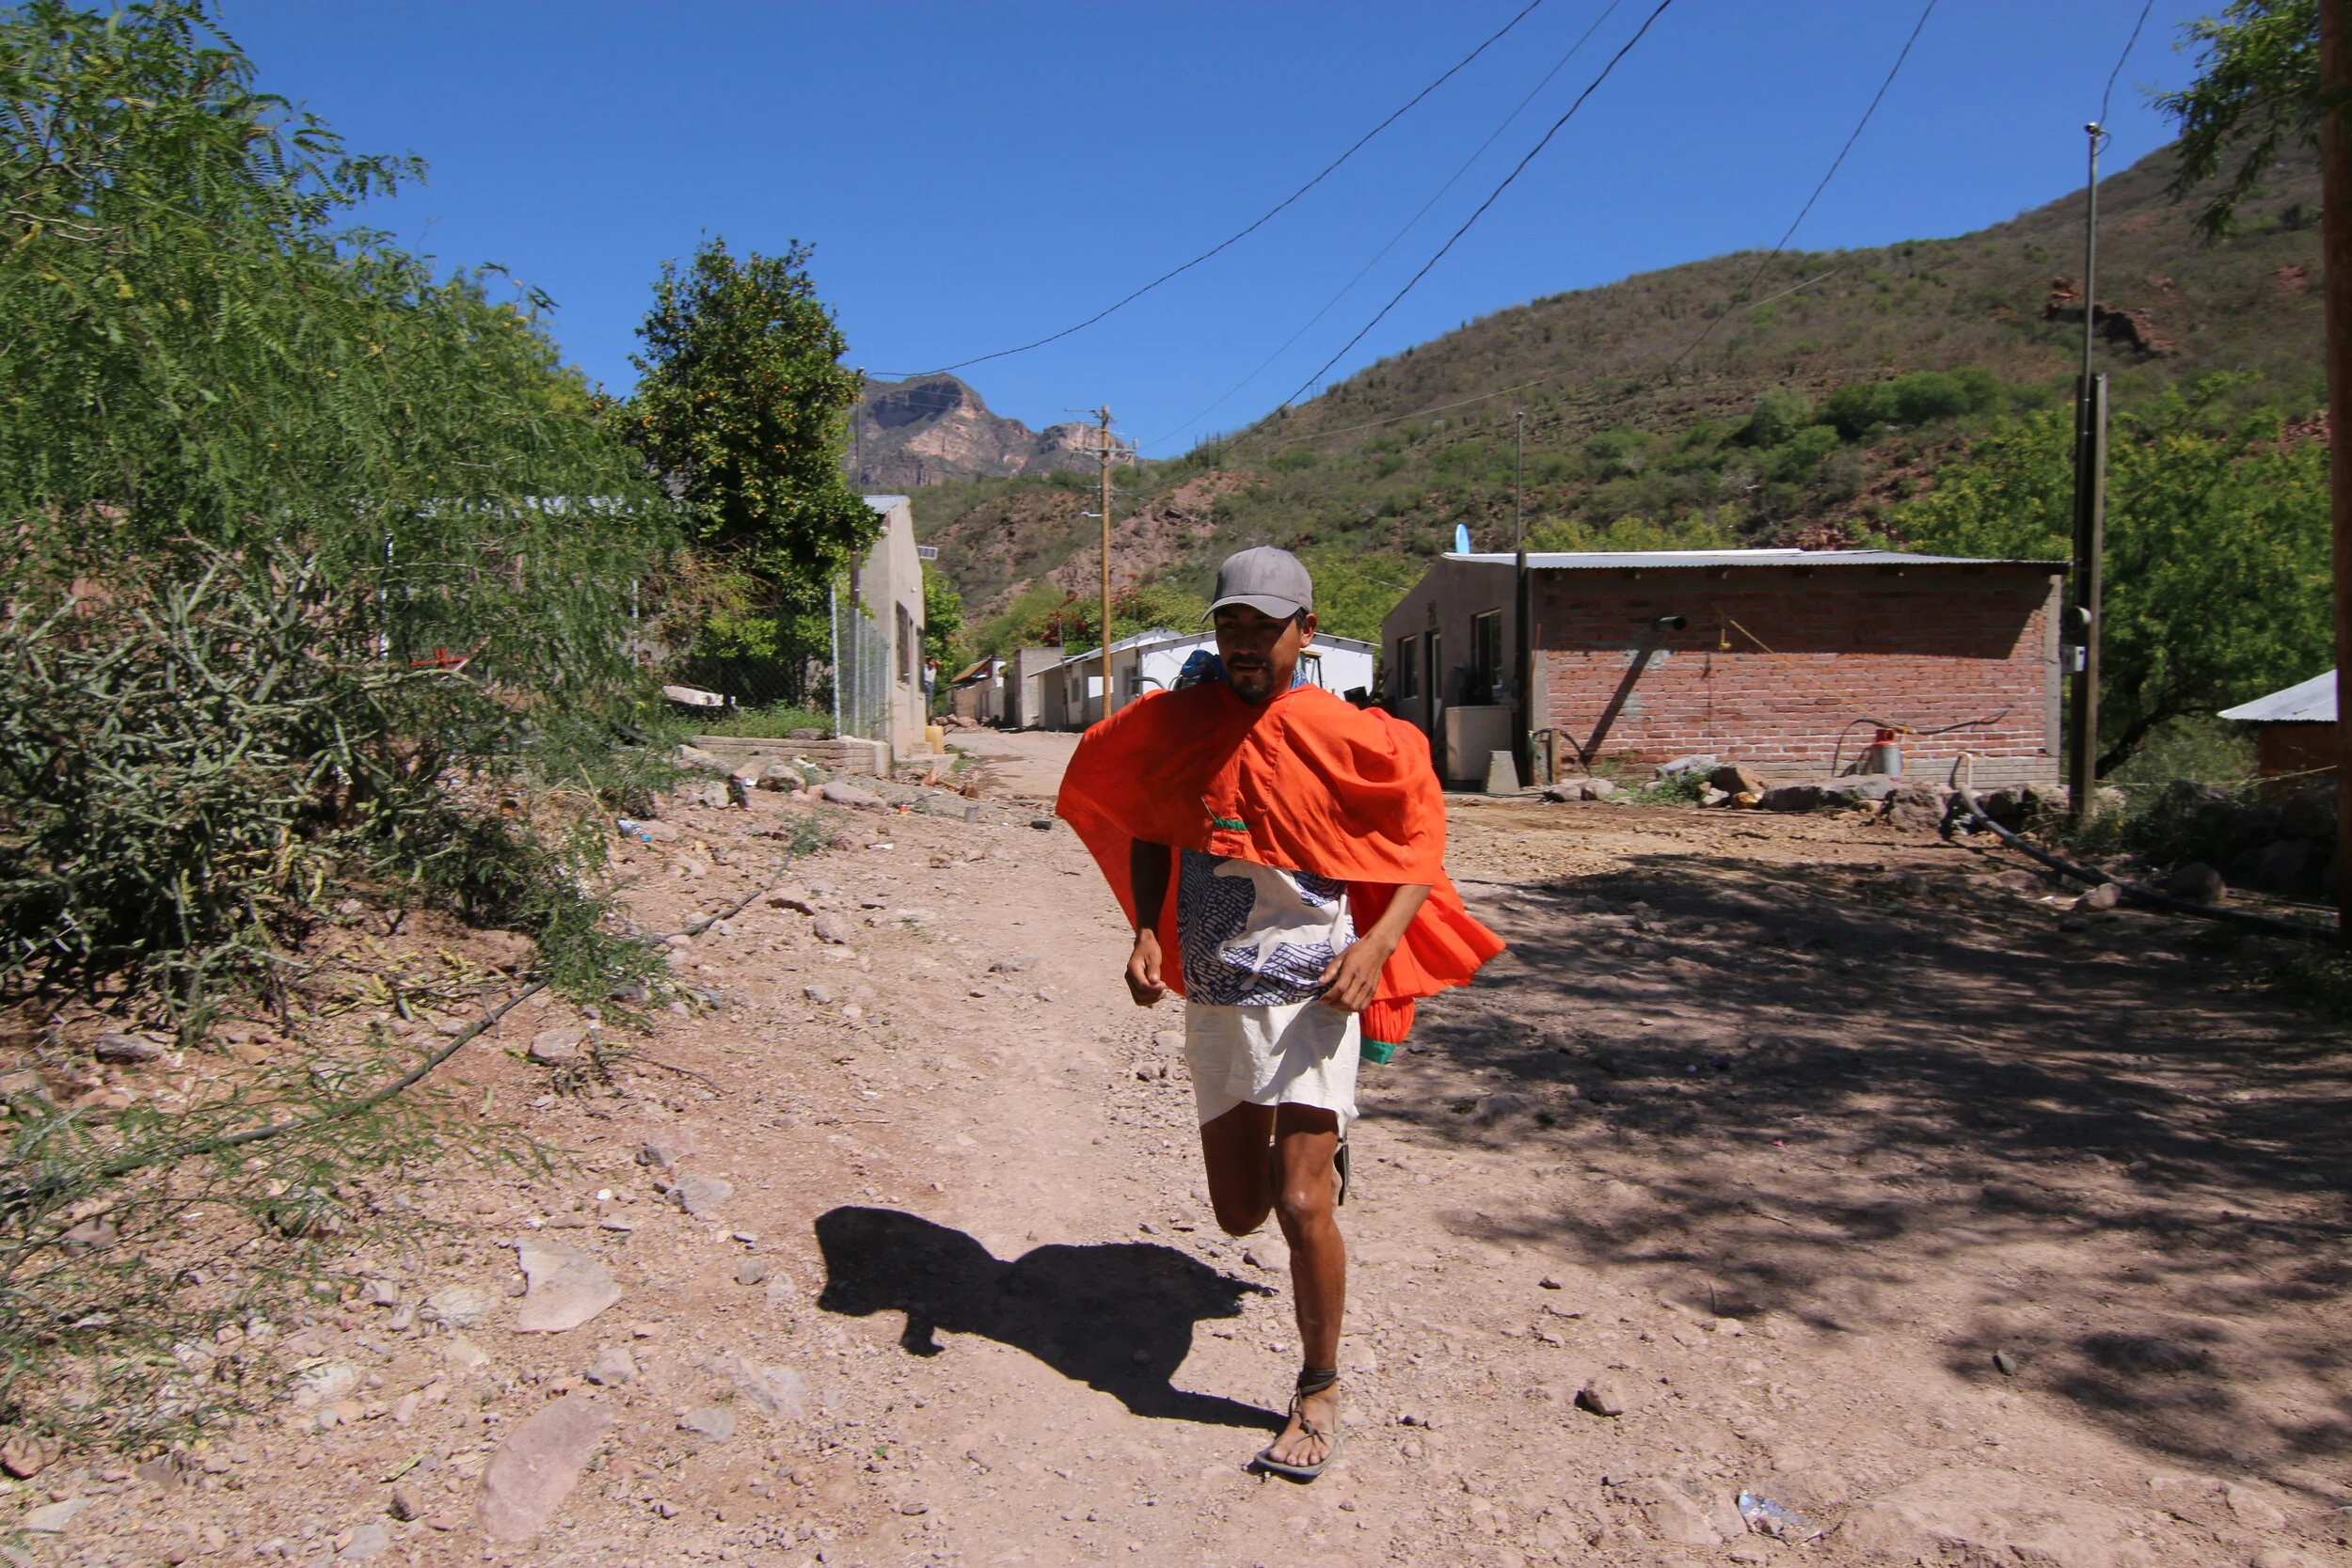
928,430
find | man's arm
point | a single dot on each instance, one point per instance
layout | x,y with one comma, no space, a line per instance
1353,978
1147,872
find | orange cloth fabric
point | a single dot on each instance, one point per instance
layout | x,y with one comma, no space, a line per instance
1302,782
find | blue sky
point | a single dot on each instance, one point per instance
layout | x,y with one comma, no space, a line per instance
977,175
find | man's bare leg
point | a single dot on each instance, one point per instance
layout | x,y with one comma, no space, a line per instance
1298,1186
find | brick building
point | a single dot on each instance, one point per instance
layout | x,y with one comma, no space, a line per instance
1782,658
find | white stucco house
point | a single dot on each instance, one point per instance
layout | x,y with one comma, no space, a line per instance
1072,694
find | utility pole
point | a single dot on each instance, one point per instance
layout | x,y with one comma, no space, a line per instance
1109,698
1522,655
2090,503
2335,81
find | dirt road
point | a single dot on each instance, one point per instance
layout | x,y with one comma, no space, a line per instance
1821,1152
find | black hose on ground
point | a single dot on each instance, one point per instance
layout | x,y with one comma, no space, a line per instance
2139,892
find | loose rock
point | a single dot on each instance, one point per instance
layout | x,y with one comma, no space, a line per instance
1976,1516
2197,882
751,1271
1606,1394
366,1541
714,1421
842,794
458,1305
613,1368
537,1466
566,1287
701,1195
126,1049
830,929
557,1045
666,1149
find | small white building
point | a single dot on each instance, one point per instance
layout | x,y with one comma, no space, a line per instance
1150,662
886,583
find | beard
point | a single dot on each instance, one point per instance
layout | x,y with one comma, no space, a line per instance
1252,685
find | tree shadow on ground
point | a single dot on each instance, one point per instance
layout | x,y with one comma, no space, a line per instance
1794,1091
1117,1316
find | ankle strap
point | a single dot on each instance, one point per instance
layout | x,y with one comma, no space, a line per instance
1314,1380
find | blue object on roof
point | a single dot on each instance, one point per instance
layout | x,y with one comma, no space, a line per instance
2311,702
1461,539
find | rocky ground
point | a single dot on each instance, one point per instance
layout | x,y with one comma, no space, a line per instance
1820,1153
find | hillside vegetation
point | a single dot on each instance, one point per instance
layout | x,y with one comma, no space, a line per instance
1808,417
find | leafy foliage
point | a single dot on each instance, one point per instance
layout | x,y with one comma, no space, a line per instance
743,404
943,619
2216,585
2257,94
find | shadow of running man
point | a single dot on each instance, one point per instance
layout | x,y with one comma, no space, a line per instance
1116,1317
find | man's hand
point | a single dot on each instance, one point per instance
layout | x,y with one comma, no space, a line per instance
1143,969
1350,980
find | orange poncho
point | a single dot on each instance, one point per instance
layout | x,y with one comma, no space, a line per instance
1302,782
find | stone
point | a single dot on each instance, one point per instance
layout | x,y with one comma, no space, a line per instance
1792,797
1732,778
819,994
1710,797
701,1195
557,1045
2281,866
2105,896
2252,1510
1678,1520
1600,789
780,776
1169,1041
324,1383
463,1355
1013,963
2310,813
1914,805
407,1503
779,1292
751,1271
536,1469
567,1287
791,897
1976,1516
24,1455
613,1368
694,757
126,1049
367,1541
2284,1557
458,1305
665,1149
714,1421
830,929
2197,882
1607,1394
50,1518
1869,787
779,1392
840,794
1697,763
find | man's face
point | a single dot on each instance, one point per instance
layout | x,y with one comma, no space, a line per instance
1259,653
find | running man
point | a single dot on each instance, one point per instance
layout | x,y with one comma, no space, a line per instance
1305,843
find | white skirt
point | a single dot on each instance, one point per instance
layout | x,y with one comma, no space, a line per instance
1298,1053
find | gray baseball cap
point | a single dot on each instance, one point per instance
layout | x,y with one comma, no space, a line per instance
1270,582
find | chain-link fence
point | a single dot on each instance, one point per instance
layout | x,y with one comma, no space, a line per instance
860,692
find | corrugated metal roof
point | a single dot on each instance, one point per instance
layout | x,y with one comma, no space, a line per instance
2311,702
883,503
1655,560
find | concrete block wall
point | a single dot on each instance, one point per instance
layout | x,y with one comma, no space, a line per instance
1923,646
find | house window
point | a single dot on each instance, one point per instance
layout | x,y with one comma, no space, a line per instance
1407,668
1485,670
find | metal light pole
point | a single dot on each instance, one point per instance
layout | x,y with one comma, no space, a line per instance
2090,547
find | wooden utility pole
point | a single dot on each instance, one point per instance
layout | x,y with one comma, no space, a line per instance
1522,641
2090,507
1110,699
2335,164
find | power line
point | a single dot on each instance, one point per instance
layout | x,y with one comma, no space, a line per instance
1835,164
1491,198
1269,215
2130,44
1493,136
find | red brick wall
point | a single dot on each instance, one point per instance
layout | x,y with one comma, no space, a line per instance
1923,646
